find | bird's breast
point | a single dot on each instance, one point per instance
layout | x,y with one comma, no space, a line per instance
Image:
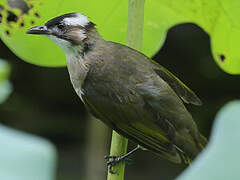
77,68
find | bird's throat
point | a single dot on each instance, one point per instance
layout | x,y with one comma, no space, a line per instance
78,67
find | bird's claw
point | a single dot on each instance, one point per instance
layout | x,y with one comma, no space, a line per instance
111,162
114,160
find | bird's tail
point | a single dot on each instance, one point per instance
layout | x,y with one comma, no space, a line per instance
202,142
184,150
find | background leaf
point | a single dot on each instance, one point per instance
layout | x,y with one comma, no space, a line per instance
218,18
5,86
220,160
26,157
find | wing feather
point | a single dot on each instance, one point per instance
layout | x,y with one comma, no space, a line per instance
185,93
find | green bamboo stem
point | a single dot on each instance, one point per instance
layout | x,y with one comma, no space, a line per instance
135,23
134,40
118,147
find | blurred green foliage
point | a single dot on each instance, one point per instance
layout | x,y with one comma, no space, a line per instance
218,19
5,86
220,160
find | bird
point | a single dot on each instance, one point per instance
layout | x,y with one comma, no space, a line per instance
135,96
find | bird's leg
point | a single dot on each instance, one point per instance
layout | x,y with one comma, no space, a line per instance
114,160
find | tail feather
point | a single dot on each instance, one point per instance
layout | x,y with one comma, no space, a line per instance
202,141
165,149
186,158
184,150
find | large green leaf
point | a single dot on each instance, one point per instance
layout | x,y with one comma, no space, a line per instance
220,160
5,86
218,18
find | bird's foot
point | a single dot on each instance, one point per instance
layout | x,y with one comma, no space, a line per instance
115,160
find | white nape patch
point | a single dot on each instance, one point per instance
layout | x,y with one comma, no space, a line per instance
79,20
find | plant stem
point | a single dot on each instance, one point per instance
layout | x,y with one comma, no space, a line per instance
134,40
135,23
118,147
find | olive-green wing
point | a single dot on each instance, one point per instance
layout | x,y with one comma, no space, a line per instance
185,93
133,56
134,122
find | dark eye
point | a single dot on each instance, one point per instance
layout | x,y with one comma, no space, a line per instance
60,26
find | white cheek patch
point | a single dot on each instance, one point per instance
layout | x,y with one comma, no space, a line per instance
81,34
79,20
63,44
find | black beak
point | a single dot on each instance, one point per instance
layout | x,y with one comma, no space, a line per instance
39,30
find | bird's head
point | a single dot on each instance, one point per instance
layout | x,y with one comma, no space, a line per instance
67,30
